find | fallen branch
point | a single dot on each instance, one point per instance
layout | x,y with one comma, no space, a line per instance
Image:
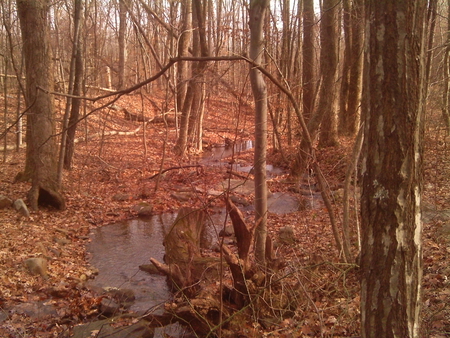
238,174
109,133
174,168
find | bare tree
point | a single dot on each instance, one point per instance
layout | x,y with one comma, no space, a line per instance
192,110
183,49
76,78
327,91
446,91
257,12
41,160
122,43
309,59
326,113
391,255
350,98
356,67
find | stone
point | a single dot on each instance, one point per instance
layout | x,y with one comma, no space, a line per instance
36,310
5,202
21,207
286,235
240,200
61,290
37,266
109,307
227,232
181,196
122,296
143,209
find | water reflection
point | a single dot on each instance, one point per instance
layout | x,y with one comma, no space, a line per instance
217,155
117,250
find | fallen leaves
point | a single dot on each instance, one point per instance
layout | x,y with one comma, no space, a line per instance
121,166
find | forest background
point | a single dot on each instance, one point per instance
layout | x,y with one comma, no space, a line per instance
134,89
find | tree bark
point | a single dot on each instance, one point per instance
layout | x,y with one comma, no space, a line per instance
328,70
446,91
356,68
183,48
326,113
346,63
41,162
391,255
309,59
122,43
257,13
194,100
77,78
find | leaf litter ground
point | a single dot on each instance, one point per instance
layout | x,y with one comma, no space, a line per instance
111,174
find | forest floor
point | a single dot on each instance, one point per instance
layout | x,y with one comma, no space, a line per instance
108,166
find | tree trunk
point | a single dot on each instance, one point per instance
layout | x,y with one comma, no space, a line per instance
77,87
122,43
326,113
194,99
446,91
257,13
350,100
356,67
41,164
328,70
346,63
183,47
309,59
391,255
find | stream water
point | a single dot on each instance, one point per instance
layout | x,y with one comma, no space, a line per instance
215,156
118,250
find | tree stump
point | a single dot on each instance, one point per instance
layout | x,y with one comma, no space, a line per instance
205,305
182,244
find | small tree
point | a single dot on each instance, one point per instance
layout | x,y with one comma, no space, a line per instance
256,21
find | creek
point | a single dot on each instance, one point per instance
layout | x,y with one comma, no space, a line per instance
117,250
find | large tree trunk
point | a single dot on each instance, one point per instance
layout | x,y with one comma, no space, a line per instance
391,255
41,164
256,21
